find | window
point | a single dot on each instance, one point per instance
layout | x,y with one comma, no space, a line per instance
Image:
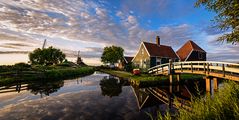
145,63
158,60
142,51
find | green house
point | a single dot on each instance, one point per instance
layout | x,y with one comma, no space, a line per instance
152,54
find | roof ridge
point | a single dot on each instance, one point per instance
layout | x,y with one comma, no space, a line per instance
156,44
190,42
196,45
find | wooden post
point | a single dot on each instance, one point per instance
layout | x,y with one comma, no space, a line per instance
215,84
178,88
181,67
208,68
178,77
171,79
204,68
208,84
170,67
192,67
223,70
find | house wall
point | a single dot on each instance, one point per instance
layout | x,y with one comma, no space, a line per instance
152,61
194,56
142,59
163,61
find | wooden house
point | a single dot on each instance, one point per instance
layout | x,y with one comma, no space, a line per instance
126,60
152,54
190,51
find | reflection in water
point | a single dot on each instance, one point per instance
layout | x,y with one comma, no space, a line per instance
45,87
164,98
110,86
86,99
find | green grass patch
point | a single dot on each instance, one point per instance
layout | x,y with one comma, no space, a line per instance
59,73
145,80
117,73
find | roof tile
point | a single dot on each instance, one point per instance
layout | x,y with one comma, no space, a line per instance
160,50
186,49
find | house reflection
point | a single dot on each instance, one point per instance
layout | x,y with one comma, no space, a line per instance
152,99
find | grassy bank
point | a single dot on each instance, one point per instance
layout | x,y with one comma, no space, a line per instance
223,106
39,73
145,80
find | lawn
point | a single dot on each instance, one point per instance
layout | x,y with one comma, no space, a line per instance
145,80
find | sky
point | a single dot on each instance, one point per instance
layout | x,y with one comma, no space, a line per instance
90,25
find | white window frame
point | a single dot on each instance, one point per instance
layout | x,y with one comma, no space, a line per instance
158,60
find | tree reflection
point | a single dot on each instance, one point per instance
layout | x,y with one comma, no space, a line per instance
110,86
45,87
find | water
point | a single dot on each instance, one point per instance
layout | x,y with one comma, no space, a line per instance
95,97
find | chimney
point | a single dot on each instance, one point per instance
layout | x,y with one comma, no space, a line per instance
158,40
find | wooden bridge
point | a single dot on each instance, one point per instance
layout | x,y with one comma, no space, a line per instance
211,69
223,70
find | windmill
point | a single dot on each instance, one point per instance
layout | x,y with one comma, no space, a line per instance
79,60
44,44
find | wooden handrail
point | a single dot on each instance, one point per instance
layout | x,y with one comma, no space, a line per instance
206,67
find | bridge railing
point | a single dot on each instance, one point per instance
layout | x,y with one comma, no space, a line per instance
205,66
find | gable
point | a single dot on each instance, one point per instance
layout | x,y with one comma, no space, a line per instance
141,54
187,49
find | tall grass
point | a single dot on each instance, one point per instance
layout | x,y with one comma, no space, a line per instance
46,74
223,106
68,72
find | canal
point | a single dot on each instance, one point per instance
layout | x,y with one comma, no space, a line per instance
95,97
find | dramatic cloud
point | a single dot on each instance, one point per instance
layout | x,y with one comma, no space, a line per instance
160,8
88,26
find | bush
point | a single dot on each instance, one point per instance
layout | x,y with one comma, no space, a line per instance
21,66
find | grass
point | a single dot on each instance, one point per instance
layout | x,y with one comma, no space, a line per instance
37,73
117,73
145,80
223,106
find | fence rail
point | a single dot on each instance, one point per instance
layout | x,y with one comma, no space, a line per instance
210,68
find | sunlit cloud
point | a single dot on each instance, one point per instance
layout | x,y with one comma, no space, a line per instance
88,26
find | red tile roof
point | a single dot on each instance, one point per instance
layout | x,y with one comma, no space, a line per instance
160,50
186,49
128,59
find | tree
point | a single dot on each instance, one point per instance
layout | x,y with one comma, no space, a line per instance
48,56
112,54
110,86
227,18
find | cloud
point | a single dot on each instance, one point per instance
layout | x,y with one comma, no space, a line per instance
88,26
159,8
14,52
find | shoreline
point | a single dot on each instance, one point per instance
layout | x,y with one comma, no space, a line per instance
12,77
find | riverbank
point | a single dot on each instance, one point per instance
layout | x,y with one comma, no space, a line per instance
224,105
13,75
145,80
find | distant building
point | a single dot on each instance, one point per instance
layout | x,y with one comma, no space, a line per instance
190,51
152,54
126,60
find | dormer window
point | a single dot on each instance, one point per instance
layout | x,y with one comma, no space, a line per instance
142,51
